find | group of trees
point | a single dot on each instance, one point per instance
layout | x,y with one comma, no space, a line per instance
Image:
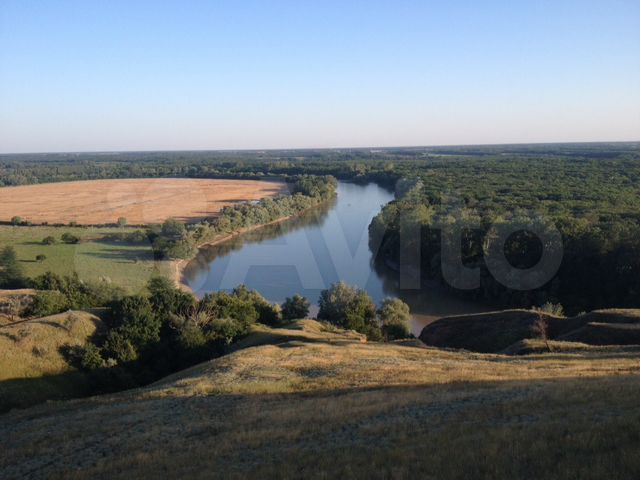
165,329
352,308
174,239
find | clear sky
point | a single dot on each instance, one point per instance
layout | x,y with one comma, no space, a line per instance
154,75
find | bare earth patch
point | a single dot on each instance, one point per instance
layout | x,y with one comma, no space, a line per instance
140,201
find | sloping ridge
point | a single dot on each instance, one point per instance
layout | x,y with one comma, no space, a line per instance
320,403
497,331
32,366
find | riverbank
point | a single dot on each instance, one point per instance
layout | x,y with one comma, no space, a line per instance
178,266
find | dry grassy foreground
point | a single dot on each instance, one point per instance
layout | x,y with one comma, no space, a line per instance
140,201
32,366
313,404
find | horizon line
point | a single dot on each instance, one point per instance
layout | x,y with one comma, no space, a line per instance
298,149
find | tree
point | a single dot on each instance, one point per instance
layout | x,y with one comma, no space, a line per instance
17,220
295,307
348,307
48,281
540,329
48,303
49,240
69,238
122,222
173,229
11,274
40,258
395,318
134,318
166,298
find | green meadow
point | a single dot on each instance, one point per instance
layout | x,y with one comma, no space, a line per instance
95,257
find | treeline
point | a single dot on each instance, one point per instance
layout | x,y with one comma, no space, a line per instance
173,239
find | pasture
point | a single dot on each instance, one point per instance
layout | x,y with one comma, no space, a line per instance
95,257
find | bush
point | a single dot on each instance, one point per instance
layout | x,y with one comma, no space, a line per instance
91,358
17,221
119,347
268,314
48,303
226,330
40,258
166,299
551,308
48,281
225,305
49,240
348,307
69,238
395,318
295,308
134,319
122,222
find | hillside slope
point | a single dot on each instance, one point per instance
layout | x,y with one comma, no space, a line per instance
494,332
318,404
32,367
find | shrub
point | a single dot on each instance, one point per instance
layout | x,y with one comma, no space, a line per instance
395,318
134,319
48,240
17,221
91,358
348,307
225,305
166,299
48,303
48,281
268,314
295,307
69,238
552,309
226,330
120,348
122,222
41,258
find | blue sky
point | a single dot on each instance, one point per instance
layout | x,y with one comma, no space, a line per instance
154,75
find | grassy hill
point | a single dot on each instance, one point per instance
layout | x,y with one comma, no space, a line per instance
32,367
312,402
494,332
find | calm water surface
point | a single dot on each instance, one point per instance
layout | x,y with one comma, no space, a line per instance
307,254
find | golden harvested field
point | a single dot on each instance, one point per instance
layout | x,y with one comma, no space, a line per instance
140,201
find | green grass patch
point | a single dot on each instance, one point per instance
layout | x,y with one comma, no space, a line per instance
95,257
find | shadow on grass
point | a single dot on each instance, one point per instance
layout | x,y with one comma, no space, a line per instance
26,392
122,255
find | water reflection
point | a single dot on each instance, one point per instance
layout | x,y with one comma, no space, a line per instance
307,253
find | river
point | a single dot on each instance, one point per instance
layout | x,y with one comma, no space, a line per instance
308,253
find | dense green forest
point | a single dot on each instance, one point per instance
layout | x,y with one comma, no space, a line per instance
589,192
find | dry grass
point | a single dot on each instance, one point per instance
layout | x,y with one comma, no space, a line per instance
31,348
32,367
310,406
140,201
